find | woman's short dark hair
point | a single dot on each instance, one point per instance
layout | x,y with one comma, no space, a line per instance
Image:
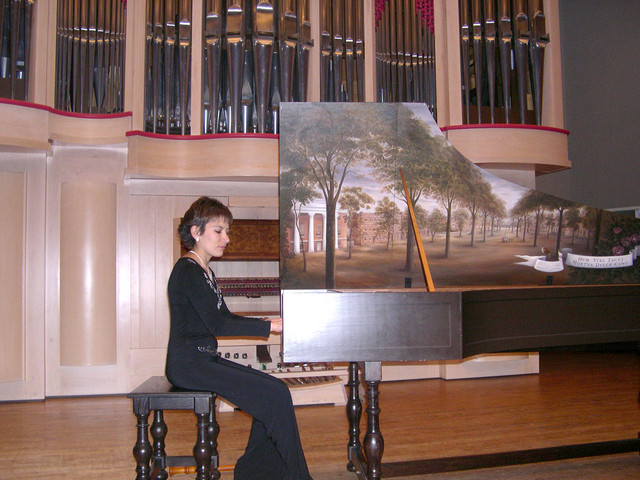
199,214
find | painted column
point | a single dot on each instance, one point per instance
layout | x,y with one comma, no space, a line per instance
296,238
324,232
312,243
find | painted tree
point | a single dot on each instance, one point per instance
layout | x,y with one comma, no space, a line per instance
488,207
460,219
498,212
353,199
415,150
387,212
522,214
326,141
549,222
573,220
475,196
451,181
296,191
590,222
558,205
422,217
533,202
436,222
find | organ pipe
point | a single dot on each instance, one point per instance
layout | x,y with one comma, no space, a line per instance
502,50
16,23
90,56
405,54
255,54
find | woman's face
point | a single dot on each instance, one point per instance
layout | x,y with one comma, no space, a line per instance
214,238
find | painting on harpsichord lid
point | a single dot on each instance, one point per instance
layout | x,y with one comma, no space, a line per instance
345,222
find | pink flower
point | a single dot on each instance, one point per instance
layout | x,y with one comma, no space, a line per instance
618,250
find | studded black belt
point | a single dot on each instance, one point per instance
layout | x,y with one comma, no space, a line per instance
208,349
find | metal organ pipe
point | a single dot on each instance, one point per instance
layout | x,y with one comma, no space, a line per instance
255,54
513,35
15,47
405,56
90,55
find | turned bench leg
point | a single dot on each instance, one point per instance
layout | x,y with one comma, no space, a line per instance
213,430
159,459
142,448
202,448
152,462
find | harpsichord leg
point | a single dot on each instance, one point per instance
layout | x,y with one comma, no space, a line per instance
354,413
373,441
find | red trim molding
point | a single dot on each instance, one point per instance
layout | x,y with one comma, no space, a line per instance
504,125
46,108
208,136
21,103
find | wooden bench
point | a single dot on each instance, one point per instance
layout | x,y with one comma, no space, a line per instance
152,462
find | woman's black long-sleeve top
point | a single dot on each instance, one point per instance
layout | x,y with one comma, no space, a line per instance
199,315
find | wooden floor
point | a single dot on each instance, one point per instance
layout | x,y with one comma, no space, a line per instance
577,398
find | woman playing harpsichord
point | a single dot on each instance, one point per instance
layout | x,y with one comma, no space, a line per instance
198,316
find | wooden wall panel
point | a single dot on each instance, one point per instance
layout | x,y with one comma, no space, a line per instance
146,252
88,274
22,228
101,167
152,257
12,226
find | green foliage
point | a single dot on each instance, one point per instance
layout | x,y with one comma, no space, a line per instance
621,235
353,199
325,142
436,222
387,213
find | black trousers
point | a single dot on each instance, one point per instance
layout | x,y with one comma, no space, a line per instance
274,451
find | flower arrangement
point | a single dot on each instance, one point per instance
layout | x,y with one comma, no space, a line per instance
620,236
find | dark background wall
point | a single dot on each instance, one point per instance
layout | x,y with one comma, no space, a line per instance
601,82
